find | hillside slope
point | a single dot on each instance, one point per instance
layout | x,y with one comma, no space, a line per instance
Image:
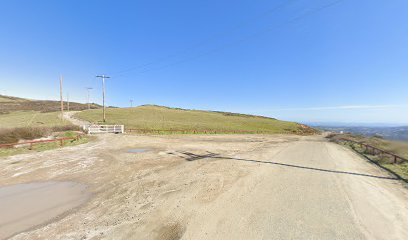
21,112
4,98
164,118
12,104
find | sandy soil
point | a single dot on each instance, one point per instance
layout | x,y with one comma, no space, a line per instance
217,187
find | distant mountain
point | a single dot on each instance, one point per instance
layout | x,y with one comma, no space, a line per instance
392,133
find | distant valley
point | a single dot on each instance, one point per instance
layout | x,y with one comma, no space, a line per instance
392,133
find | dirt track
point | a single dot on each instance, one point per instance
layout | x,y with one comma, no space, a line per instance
218,187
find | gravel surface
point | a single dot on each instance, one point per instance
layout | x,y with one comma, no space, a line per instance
217,187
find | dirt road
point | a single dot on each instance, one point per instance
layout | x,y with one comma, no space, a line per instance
217,187
69,116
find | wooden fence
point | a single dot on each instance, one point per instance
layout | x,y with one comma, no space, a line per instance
32,143
376,150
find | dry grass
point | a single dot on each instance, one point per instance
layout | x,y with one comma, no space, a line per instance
396,147
41,106
28,133
11,99
10,104
384,160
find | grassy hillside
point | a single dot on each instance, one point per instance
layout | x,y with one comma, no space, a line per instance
11,99
20,112
12,104
30,119
164,118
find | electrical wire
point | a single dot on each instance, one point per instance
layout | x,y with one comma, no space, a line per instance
209,39
217,49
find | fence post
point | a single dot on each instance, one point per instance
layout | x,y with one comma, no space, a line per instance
395,159
61,142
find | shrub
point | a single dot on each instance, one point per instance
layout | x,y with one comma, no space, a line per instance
13,135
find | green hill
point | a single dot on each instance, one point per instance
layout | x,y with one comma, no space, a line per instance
164,118
12,104
20,112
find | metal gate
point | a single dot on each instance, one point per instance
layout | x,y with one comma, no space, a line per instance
94,129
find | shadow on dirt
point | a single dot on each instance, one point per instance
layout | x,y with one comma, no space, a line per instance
188,156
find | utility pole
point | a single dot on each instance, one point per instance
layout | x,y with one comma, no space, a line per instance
103,94
68,102
62,99
89,103
131,102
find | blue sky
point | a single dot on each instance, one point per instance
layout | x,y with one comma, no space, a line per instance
307,61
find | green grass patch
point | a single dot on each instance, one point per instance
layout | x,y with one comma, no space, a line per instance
30,119
191,121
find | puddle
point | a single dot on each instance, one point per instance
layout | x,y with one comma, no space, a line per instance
137,150
25,206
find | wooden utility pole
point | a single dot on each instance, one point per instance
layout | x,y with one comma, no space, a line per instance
103,94
68,102
88,101
62,99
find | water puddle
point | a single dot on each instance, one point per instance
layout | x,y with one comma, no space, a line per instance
25,206
137,150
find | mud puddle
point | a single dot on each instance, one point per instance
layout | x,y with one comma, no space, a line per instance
25,206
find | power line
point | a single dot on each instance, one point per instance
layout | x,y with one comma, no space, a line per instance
291,21
217,49
203,42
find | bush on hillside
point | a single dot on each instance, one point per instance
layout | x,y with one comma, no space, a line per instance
14,135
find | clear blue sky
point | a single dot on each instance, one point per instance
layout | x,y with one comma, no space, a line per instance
291,59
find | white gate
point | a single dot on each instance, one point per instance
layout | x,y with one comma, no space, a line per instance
91,129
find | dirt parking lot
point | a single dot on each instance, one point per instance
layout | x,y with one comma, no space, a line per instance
216,187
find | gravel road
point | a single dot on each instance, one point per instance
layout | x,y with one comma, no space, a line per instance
217,187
